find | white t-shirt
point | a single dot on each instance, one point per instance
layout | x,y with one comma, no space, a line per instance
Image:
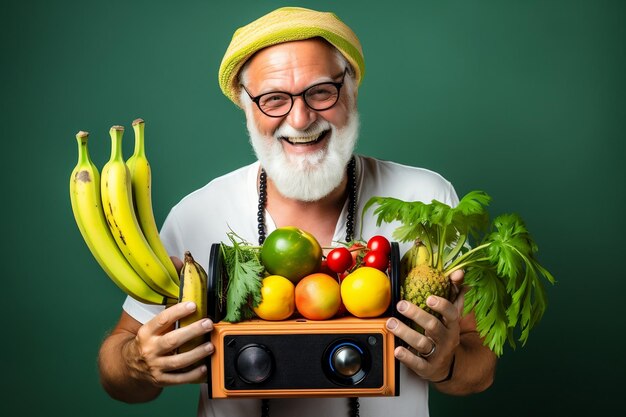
231,202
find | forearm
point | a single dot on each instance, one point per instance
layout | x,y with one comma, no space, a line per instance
474,367
116,374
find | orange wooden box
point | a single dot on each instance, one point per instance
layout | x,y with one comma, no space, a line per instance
293,382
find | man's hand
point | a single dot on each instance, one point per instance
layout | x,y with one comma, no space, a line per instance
136,360
152,356
430,355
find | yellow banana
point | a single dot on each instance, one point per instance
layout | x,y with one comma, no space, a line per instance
120,214
423,255
141,184
193,287
417,254
89,216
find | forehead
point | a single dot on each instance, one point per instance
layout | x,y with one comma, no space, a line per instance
293,65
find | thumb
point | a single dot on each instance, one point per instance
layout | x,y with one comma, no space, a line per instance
457,289
457,277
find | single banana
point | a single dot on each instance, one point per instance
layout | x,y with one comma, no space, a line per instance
417,254
141,184
120,214
423,254
89,216
193,287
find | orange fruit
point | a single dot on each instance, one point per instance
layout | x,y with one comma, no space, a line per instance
318,296
278,298
366,292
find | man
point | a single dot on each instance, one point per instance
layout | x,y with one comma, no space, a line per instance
295,72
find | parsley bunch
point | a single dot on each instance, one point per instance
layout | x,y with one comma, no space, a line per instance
245,273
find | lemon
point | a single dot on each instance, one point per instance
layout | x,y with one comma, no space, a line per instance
278,298
366,292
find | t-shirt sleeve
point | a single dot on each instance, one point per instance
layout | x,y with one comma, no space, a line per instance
140,311
171,235
451,198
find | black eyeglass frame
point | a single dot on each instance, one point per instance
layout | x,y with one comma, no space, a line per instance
337,85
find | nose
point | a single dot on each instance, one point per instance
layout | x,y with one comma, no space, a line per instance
301,116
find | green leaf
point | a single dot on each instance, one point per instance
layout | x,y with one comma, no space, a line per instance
414,217
473,203
509,244
244,270
487,298
470,216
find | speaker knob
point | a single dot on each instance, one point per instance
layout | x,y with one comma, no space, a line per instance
254,363
346,360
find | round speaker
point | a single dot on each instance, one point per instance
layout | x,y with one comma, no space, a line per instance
254,363
346,362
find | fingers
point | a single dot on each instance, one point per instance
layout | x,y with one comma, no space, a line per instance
165,321
187,367
432,326
457,277
184,368
157,344
449,313
184,360
197,375
427,354
414,339
412,361
174,339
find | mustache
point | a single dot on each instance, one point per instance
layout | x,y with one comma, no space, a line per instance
286,130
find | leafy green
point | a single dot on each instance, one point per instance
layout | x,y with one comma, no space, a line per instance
245,272
506,291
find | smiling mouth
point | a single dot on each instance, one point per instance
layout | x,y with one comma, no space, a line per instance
306,140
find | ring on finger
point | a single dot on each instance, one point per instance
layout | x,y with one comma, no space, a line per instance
432,350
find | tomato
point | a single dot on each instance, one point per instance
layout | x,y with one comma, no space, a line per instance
357,250
291,253
376,259
342,310
366,292
379,243
278,298
339,259
318,296
324,269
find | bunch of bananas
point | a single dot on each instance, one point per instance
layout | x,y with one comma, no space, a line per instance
114,214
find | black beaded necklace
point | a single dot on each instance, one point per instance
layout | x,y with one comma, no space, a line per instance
350,218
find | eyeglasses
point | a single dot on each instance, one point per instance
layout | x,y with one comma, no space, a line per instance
317,97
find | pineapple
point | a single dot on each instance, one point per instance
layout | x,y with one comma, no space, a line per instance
420,279
421,282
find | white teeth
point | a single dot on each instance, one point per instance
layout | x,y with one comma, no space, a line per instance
304,139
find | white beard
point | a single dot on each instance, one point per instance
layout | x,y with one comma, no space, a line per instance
307,177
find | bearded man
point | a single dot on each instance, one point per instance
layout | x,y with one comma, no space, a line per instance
295,72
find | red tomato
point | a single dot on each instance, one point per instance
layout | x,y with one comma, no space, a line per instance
356,250
324,269
339,259
379,243
376,259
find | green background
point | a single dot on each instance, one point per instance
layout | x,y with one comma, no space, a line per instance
523,99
